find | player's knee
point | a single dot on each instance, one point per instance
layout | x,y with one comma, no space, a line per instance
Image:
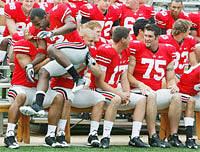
176,98
51,50
43,73
152,96
100,104
58,100
191,101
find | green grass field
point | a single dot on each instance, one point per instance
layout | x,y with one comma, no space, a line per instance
81,149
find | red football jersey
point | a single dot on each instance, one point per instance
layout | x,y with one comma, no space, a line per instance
79,3
151,67
182,51
101,41
128,18
195,18
92,12
166,21
9,1
19,75
113,64
45,6
146,11
190,81
15,12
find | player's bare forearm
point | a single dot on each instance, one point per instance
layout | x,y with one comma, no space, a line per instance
69,27
11,26
124,82
170,75
38,58
39,65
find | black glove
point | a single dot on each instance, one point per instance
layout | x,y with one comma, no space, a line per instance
89,59
30,73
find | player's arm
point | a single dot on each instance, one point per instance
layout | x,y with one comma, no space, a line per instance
192,59
133,81
124,82
170,78
11,25
42,47
70,26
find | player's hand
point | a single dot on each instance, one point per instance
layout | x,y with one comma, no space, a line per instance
125,97
174,89
146,90
90,60
45,34
30,73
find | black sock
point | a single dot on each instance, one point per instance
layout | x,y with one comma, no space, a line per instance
189,131
40,98
72,71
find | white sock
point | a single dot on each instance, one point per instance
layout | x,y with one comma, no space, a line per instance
136,127
189,121
62,124
107,128
10,129
94,126
51,131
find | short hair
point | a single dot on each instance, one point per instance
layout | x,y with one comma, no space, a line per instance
154,28
119,33
181,26
37,12
86,31
140,24
92,25
178,1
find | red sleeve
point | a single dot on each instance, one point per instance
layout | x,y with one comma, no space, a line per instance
9,10
171,52
134,47
193,42
22,46
161,18
86,10
61,12
195,17
104,55
74,9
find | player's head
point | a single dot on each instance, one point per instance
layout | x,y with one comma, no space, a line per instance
39,18
181,27
96,27
103,5
88,36
175,8
151,35
139,26
121,36
56,2
133,4
142,1
27,5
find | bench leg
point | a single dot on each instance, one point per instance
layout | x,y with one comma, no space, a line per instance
164,126
20,130
68,130
1,123
198,124
26,129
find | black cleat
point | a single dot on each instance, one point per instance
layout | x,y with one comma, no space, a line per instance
105,142
174,141
51,142
137,142
10,142
79,84
93,140
155,141
61,140
190,143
